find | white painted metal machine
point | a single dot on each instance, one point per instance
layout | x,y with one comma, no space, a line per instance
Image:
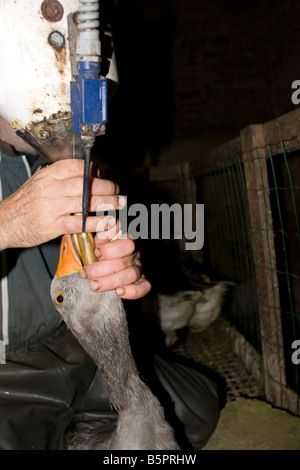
41,45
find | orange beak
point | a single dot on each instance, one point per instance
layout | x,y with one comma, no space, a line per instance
69,261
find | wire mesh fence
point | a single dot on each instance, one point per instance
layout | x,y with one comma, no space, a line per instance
284,181
227,250
252,238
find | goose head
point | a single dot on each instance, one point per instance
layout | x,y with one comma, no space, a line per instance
83,310
69,292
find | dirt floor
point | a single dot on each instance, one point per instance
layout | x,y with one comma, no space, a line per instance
251,424
247,421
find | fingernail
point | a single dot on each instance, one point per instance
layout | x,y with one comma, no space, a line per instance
98,252
120,291
83,273
110,222
122,202
98,173
95,285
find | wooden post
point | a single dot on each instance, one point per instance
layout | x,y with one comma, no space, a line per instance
254,151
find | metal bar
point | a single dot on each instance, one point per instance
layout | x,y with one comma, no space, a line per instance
86,182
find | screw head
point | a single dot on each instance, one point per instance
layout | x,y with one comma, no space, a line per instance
52,10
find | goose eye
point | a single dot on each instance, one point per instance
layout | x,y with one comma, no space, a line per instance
59,298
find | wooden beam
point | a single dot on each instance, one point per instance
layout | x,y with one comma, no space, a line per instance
254,155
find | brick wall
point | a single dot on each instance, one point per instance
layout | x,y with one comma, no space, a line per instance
233,66
198,70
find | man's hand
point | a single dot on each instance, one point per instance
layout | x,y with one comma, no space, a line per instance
119,267
40,209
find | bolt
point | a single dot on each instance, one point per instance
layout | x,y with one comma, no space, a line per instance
52,10
85,128
57,40
44,135
96,128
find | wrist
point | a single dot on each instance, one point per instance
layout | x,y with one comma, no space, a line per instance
5,232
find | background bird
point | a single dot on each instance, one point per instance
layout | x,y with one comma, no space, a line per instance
197,309
98,321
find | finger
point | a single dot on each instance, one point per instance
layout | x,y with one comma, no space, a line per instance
71,205
114,249
73,223
123,236
73,186
134,291
74,168
112,281
64,168
107,229
101,187
106,267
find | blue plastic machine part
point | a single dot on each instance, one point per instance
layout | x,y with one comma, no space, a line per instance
88,99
